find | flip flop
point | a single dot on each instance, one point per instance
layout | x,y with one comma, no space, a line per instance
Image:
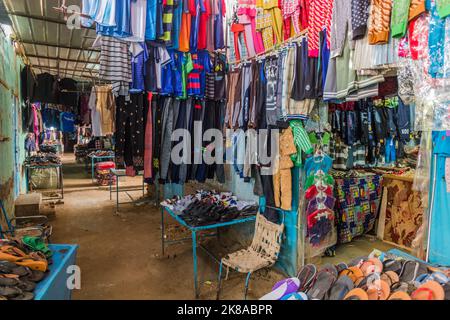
13,254
411,270
399,295
34,276
390,277
24,296
10,292
430,290
295,296
436,276
323,282
340,288
378,290
371,265
282,288
306,275
356,294
341,266
354,273
7,267
392,265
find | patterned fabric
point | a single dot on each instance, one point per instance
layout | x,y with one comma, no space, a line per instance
291,13
416,8
399,19
379,21
167,20
404,211
360,15
357,205
319,18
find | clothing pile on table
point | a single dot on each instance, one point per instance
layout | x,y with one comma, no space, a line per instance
103,173
22,265
101,153
81,152
386,277
210,207
43,159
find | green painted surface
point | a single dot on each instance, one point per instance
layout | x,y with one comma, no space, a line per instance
12,136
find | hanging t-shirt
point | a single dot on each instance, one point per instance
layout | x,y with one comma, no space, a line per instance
167,72
67,122
138,20
68,95
122,26
196,83
89,7
140,57
177,74
150,24
194,9
187,68
105,14
27,83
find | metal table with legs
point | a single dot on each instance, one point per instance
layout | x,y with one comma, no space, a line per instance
194,231
93,161
121,173
57,167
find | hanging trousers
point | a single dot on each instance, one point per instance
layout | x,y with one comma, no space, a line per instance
166,143
130,132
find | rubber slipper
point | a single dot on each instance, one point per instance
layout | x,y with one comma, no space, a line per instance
322,284
10,292
378,290
341,266
354,273
411,270
390,277
7,267
371,265
356,294
37,244
282,288
399,295
295,296
34,276
25,261
26,286
340,288
430,290
436,276
306,275
357,261
392,265
7,282
24,296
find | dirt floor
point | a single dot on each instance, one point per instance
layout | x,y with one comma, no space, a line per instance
120,254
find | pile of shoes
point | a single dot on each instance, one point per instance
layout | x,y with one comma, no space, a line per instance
367,278
210,207
43,159
22,265
48,148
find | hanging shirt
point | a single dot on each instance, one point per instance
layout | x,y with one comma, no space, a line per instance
68,95
150,24
45,89
138,69
194,9
67,122
196,83
167,75
122,27
176,25
105,14
205,12
89,7
167,20
187,68
138,20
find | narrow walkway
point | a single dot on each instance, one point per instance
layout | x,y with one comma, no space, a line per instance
119,255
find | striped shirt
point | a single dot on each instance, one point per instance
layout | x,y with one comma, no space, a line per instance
167,20
301,141
115,64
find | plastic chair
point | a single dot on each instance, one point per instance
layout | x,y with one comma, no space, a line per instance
15,225
262,253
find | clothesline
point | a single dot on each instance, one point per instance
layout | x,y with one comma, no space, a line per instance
302,34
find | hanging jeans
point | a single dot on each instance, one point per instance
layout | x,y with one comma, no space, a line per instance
130,132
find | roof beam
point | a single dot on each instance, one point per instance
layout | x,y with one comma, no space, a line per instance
41,18
65,69
62,59
58,46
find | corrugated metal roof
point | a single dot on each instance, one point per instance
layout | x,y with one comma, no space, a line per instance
48,42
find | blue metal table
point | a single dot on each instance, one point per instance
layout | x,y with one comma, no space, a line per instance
54,285
93,160
194,231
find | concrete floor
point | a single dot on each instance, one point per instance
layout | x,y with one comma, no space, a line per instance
120,255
